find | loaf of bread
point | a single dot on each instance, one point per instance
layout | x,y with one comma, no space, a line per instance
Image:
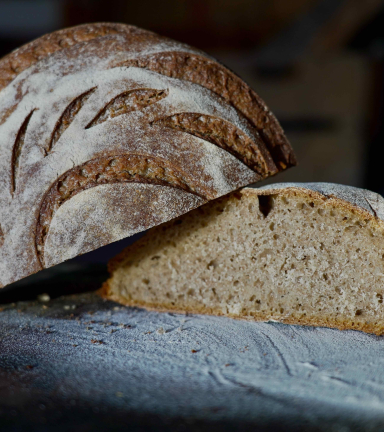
107,130
309,254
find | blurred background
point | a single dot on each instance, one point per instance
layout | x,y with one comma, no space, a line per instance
319,65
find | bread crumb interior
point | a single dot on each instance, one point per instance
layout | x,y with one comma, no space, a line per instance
288,256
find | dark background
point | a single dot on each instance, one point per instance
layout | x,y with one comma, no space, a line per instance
317,63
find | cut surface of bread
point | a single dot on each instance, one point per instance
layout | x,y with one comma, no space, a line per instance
310,254
107,130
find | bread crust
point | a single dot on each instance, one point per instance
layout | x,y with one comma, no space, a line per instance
82,108
192,66
24,57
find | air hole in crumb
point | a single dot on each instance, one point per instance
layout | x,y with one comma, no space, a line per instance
380,297
252,298
312,204
265,204
191,292
281,310
359,312
236,283
272,226
212,264
146,281
320,211
275,237
237,195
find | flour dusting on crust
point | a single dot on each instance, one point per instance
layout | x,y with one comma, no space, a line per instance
67,81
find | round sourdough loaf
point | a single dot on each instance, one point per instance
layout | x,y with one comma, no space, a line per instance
107,130
297,253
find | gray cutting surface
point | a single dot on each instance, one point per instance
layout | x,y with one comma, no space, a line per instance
82,363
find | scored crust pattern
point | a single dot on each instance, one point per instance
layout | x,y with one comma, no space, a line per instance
226,84
126,102
170,90
111,169
17,148
133,168
67,118
223,134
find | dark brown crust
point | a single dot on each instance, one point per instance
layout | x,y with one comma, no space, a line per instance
339,323
67,118
215,77
17,61
126,102
224,135
112,169
17,148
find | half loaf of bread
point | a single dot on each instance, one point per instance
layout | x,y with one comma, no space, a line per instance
107,130
308,254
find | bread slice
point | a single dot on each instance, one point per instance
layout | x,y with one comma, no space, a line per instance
296,253
107,130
